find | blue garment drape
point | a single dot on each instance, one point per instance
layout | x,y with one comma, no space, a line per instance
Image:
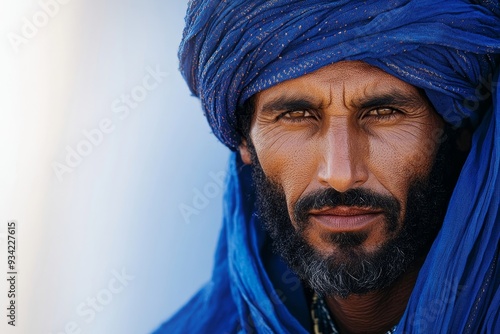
234,49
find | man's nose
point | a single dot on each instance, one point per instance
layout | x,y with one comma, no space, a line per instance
343,161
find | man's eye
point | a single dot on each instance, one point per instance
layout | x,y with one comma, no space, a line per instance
381,112
297,114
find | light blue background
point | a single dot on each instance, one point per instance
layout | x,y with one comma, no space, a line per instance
119,209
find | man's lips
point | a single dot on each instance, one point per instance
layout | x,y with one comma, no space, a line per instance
345,218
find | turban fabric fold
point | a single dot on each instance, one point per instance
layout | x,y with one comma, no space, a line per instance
234,49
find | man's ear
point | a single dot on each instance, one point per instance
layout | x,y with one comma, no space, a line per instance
244,152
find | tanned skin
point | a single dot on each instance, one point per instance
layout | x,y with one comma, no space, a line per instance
348,125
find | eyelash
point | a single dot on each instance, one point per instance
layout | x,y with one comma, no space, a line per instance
394,113
296,119
299,119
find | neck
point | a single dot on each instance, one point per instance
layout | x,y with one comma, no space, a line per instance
374,312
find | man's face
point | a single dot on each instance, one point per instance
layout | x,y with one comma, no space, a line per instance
342,163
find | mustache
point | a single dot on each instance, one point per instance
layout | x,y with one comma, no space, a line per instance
356,197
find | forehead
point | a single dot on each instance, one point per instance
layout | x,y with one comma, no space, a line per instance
351,81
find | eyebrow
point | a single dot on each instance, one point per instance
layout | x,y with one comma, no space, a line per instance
391,98
289,103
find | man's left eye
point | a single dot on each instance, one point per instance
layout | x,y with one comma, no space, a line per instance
381,112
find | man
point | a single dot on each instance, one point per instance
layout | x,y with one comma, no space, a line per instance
349,121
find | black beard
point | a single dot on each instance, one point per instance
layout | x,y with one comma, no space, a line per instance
351,270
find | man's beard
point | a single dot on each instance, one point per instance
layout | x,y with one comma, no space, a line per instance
351,270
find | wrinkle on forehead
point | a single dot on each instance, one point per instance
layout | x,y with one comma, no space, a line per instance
372,83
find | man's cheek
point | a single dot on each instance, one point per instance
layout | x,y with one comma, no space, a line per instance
395,167
426,155
421,149
287,170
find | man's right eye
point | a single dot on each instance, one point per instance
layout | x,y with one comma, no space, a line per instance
296,115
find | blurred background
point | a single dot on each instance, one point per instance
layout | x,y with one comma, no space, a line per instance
108,166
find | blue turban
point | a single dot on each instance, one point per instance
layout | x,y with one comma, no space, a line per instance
236,48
